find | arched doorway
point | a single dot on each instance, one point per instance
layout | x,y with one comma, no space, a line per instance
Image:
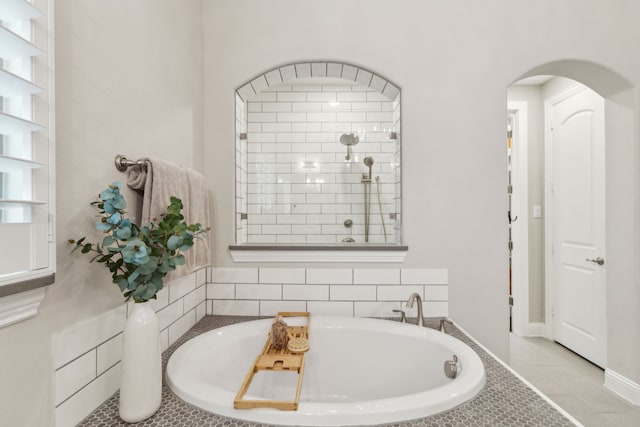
621,194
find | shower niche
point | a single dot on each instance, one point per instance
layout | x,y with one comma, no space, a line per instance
318,159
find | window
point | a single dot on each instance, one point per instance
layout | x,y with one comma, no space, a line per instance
27,257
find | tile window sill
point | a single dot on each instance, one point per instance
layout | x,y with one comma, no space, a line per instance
373,253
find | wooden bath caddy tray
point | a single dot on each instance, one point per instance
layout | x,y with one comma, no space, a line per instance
271,359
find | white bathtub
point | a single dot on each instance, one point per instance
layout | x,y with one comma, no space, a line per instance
358,371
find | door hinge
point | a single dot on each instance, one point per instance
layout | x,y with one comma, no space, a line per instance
510,189
510,246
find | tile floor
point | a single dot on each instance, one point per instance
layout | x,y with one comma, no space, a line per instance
572,382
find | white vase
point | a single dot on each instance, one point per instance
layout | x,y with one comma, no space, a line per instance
141,384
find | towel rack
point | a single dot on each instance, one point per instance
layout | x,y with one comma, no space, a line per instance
122,163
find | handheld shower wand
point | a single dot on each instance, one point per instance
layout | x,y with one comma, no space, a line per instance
368,161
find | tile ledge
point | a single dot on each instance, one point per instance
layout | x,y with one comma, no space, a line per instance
374,253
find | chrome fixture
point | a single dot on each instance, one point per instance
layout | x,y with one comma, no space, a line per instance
415,296
403,316
349,139
442,322
599,261
348,223
368,161
393,135
122,163
451,367
348,240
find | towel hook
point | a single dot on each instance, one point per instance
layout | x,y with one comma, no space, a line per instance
122,163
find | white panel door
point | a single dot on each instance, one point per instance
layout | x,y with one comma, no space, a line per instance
578,202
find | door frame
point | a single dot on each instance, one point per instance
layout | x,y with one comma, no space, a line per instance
520,233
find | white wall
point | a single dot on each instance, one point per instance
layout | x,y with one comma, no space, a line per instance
454,61
128,81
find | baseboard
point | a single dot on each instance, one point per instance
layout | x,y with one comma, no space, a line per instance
535,330
622,386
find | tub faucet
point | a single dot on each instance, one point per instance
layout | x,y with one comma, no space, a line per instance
412,298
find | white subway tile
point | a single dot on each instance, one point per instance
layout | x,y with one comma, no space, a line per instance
330,308
306,147
259,84
235,308
87,334
376,309
164,340
193,299
398,292
291,239
305,229
75,375
288,72
378,83
282,275
337,127
351,117
321,219
349,72
181,326
201,310
306,127
201,276
273,77
305,292
321,97
261,117
74,410
352,293
436,308
319,69
271,308
264,97
170,314
209,307
290,117
364,77
306,88
321,198
258,291
330,276
279,107
109,353
181,287
424,276
334,70
161,301
276,147
317,238
275,127
351,97
254,107
323,117
436,293
292,219
366,106
246,92
376,276
306,106
303,70
390,91
336,106
291,96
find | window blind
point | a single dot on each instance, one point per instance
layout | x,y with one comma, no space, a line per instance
26,144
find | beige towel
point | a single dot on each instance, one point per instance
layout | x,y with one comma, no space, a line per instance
159,180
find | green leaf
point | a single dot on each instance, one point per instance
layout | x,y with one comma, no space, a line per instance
108,241
179,260
173,242
86,248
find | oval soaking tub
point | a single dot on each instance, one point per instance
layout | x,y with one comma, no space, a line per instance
358,371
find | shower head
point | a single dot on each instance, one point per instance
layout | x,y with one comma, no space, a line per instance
349,139
368,161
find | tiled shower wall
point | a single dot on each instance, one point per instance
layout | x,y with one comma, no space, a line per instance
301,189
241,169
87,355
361,292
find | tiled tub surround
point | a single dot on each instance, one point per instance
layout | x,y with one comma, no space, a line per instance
505,400
361,292
292,179
87,355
